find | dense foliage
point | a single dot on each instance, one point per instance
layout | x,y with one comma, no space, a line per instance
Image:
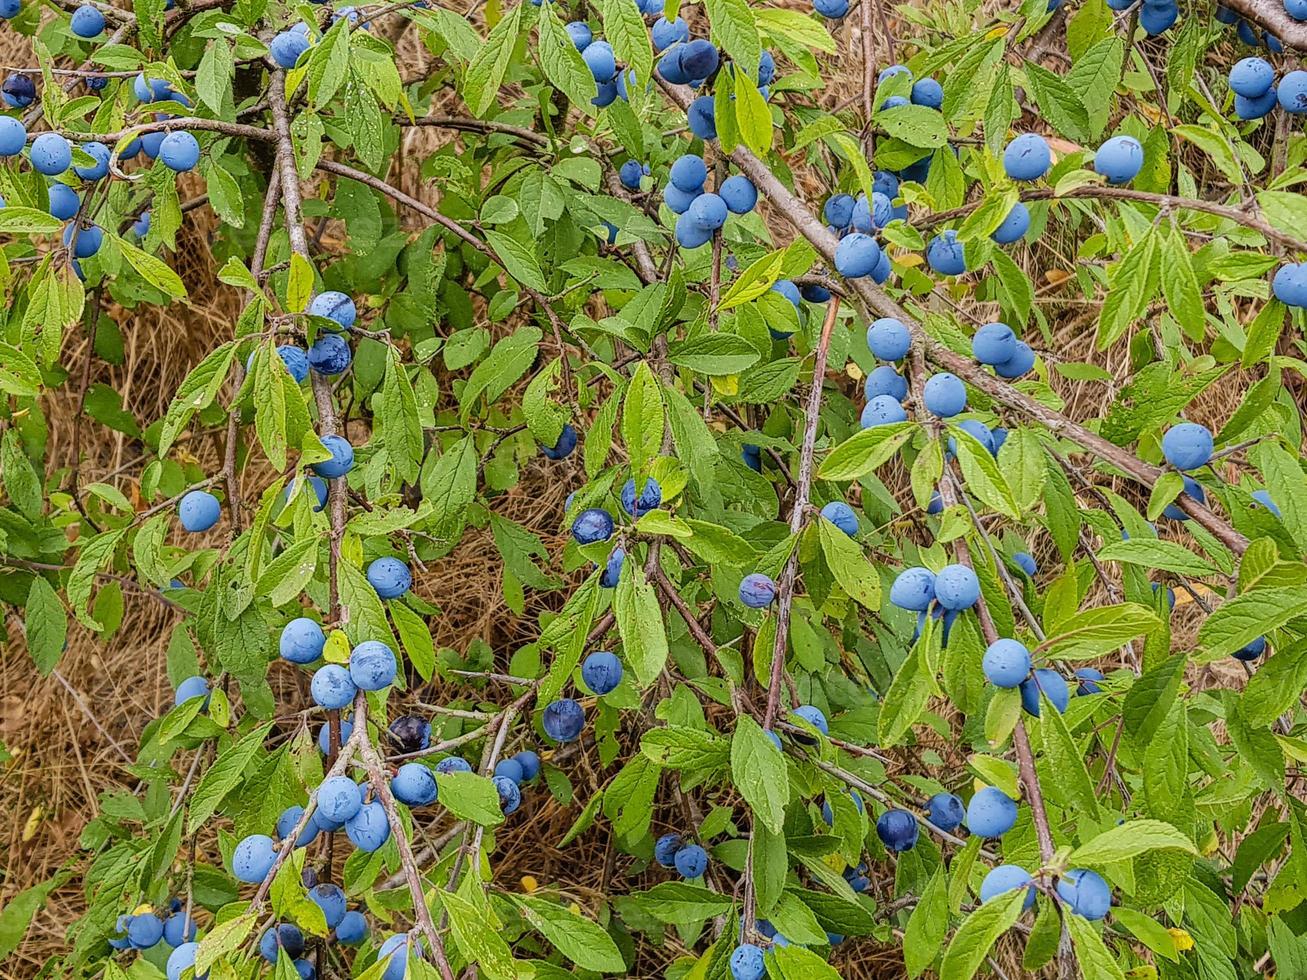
865,632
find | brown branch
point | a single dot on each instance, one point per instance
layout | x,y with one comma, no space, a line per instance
797,514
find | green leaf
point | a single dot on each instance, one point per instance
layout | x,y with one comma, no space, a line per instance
681,902
1158,554
642,417
213,80
196,393
734,26
624,29
19,374
469,796
907,696
982,474
1024,464
1093,632
865,450
1134,281
153,270
1067,760
714,354
1096,961
1061,106
753,116
640,623
1094,78
1244,618
486,73
20,910
1215,146
224,938
415,636
1180,283
927,926
1128,840
477,941
45,624
583,942
797,963
94,555
916,125
286,575
518,259
849,565
563,63
400,421
224,776
758,771
978,933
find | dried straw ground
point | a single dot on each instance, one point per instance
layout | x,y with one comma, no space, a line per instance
71,733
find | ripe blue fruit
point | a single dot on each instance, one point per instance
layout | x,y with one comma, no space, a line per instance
1006,663
317,486
253,858
287,47
630,174
372,665
331,899
838,211
390,577
747,962
83,238
100,154
889,339
978,431
368,829
1051,684
332,687
453,763
411,733
612,572
605,94
529,762
87,21
287,821
13,137
889,71
757,591
665,33
1194,490
396,950
1252,77
884,380
1088,676
944,394
1263,105
702,117
179,151
1252,650
766,68
150,143
563,720
1263,499
991,813
191,687
324,735
509,769
342,458
1027,157
842,516
751,456
1014,226
1005,878
339,798
688,173
1156,18
691,861
144,931
993,343
602,672
580,33
882,410
1187,446
1025,562
183,958
833,9
679,201
1290,284
945,811
856,255
1119,159
669,66
599,58
946,255
198,511
510,797
699,58
814,717
1020,362
1297,9
330,355
956,587
897,830
787,289
335,306
564,446
178,928
914,589
665,849
18,91
707,211
739,194
1085,893
353,928
927,92
592,525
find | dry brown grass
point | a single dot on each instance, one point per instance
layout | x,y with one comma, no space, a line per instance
71,733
